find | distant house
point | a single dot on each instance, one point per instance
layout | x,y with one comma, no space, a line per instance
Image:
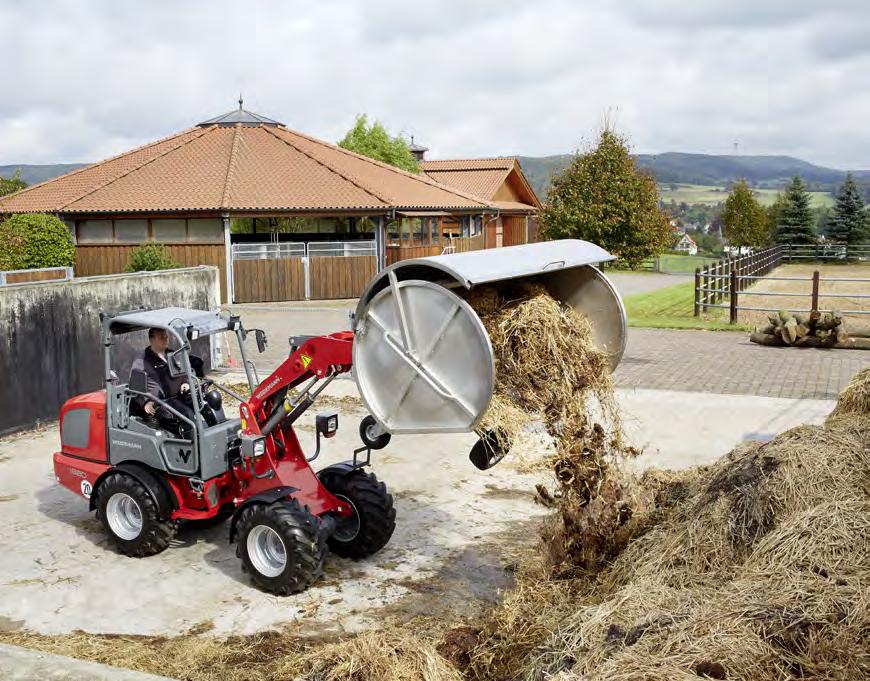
687,245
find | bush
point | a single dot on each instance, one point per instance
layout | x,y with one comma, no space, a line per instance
150,257
33,240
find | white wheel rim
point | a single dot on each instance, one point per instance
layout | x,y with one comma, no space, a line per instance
267,551
124,516
371,433
347,529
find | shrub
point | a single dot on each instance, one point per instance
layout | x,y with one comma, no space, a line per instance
33,240
150,257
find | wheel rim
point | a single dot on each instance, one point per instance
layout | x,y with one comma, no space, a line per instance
124,516
347,529
267,551
371,433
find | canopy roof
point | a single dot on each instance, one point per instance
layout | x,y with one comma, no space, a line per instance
239,163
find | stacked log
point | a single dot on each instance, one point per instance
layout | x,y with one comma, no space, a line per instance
815,330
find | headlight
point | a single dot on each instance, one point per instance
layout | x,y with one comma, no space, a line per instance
260,447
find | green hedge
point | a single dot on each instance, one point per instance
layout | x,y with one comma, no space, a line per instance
150,257
34,240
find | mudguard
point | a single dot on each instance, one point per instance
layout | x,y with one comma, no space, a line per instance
162,493
270,496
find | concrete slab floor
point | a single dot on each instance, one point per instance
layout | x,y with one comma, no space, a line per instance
458,531
22,664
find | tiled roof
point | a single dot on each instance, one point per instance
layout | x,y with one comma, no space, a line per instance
497,163
479,176
242,167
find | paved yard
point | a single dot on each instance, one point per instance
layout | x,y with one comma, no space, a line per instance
697,361
727,363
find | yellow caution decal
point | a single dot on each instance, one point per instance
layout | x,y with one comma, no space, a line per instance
305,359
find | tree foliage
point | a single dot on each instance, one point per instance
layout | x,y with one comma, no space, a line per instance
603,197
375,142
34,240
795,219
848,221
744,219
13,184
150,257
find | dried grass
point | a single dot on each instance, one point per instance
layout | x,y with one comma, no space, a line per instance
753,568
549,371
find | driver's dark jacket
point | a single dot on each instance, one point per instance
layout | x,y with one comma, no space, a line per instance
160,383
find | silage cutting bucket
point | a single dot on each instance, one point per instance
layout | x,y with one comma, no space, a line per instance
422,358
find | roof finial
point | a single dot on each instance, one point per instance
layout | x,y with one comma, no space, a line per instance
240,101
412,139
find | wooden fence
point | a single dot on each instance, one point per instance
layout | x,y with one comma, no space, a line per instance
730,278
335,277
268,281
94,259
40,274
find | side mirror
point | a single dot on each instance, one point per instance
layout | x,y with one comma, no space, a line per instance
173,361
262,342
138,381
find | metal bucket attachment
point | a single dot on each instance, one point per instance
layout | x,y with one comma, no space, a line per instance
423,361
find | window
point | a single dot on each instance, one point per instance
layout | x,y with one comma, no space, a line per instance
95,231
168,230
206,230
131,231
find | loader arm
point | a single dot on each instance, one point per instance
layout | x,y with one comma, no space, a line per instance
321,357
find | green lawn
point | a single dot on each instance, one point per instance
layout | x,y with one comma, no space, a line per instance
671,308
700,193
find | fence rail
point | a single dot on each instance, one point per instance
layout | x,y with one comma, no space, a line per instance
730,278
8,277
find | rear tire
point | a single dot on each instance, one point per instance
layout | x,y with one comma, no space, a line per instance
282,546
131,517
370,527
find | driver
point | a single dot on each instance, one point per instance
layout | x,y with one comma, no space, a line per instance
174,391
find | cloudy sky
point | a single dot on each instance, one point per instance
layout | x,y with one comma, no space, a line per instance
87,79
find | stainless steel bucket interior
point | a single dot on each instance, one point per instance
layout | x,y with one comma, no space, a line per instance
422,359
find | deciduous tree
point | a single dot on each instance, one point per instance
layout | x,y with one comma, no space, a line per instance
375,142
603,197
13,184
744,219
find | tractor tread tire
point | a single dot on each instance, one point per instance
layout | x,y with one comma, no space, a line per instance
304,540
157,532
375,507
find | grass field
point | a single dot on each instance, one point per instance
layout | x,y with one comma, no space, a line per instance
699,193
805,287
671,308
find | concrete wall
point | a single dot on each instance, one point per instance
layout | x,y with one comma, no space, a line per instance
50,334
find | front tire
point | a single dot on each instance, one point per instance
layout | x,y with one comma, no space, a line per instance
131,517
373,521
282,546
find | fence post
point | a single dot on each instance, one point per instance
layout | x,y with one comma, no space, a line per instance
815,303
733,301
697,291
705,283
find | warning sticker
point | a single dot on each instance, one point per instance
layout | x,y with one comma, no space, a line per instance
305,359
86,489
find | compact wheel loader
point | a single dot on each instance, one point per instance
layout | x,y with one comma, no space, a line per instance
422,362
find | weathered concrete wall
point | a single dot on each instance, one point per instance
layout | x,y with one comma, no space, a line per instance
50,334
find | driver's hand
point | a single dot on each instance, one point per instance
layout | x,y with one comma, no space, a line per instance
150,409
184,389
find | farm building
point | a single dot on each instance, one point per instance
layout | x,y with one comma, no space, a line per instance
283,215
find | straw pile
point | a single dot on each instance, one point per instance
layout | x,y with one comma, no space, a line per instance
754,568
549,371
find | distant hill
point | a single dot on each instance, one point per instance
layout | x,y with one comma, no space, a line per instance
34,174
704,169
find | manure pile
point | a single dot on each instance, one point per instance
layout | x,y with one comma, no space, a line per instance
549,371
756,567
